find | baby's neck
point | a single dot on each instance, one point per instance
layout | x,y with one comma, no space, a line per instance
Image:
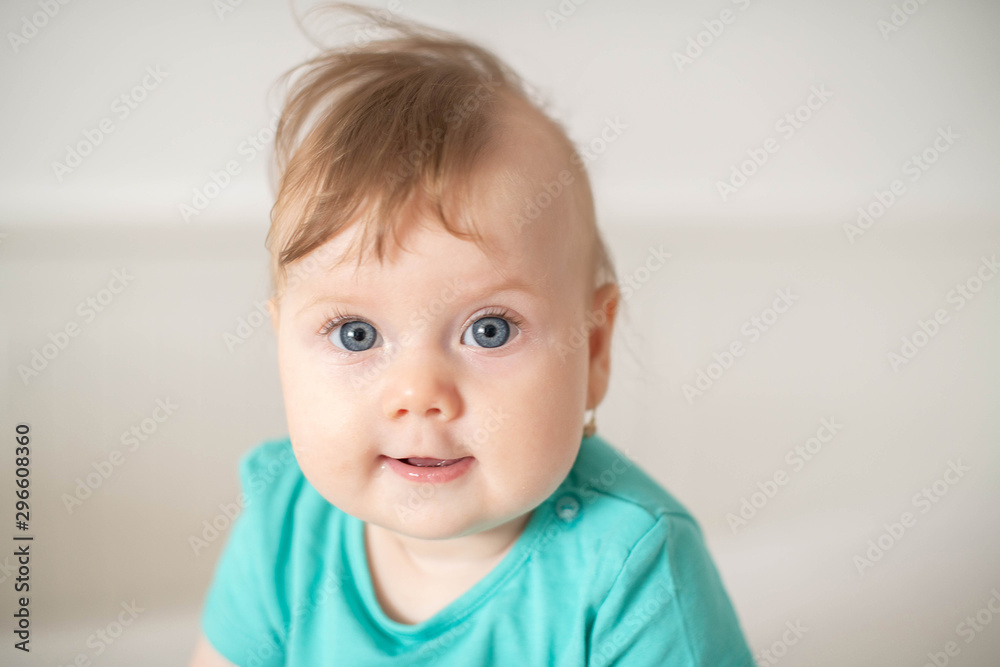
415,579
485,548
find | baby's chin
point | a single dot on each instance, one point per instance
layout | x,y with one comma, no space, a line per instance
431,523
430,531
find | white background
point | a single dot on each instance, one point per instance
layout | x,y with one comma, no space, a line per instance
655,185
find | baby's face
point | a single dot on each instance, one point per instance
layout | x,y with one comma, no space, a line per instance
448,353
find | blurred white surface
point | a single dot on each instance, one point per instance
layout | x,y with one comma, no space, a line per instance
688,125
163,337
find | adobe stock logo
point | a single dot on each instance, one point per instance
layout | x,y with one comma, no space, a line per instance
219,179
786,126
246,325
899,17
703,39
752,329
60,340
122,107
579,336
779,648
928,329
924,500
796,458
31,26
106,467
968,628
562,13
915,167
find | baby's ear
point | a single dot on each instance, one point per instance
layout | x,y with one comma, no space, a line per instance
604,308
273,311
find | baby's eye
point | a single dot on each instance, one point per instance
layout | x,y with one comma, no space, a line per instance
490,331
359,336
354,336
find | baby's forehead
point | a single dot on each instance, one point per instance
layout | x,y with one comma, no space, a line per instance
427,262
528,138
518,198
425,244
528,184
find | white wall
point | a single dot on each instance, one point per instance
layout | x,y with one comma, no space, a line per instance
686,129
162,337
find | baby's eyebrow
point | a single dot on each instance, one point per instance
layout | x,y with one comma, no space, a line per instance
456,287
515,284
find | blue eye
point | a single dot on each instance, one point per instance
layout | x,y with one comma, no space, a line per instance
493,329
488,332
354,336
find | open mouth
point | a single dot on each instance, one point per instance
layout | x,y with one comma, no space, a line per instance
429,463
423,470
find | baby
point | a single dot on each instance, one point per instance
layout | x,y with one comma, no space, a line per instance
443,305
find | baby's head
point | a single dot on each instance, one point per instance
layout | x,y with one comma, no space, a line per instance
441,287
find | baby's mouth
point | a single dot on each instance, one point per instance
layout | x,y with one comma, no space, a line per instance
429,463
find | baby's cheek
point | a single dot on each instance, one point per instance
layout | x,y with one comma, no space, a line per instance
332,475
534,463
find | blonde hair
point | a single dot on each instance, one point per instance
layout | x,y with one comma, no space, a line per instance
371,128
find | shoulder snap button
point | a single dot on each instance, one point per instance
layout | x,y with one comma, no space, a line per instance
567,507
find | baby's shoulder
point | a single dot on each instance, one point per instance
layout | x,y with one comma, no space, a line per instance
605,476
282,512
610,506
614,527
269,471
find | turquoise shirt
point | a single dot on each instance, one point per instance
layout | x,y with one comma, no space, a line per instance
610,570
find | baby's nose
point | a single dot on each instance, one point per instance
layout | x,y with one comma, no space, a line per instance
420,386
